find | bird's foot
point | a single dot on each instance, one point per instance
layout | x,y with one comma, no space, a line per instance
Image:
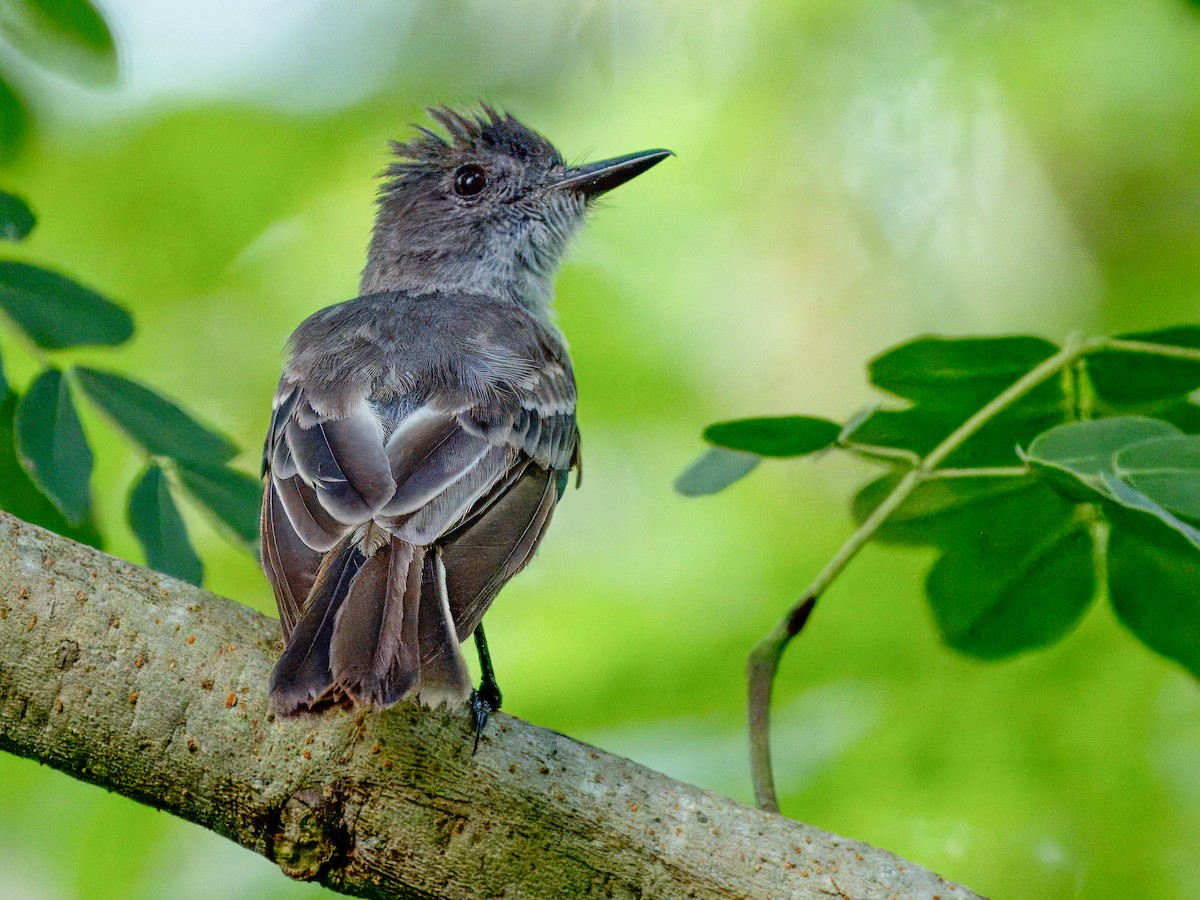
484,702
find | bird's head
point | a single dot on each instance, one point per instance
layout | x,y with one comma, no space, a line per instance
490,205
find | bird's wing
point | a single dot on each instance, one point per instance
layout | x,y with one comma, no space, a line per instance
325,476
419,470
499,535
451,462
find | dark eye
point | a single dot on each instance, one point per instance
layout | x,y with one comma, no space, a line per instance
469,181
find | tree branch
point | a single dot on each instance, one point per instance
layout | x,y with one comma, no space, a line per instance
155,689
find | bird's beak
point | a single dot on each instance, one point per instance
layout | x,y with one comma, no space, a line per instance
595,178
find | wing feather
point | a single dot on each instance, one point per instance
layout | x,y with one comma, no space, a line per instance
291,564
455,457
343,459
306,514
484,554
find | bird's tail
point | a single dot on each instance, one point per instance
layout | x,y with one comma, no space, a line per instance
361,635
444,675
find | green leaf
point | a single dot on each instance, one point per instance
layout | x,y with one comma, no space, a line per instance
56,312
160,530
921,428
232,496
1015,569
16,218
1182,413
155,423
1127,497
1087,450
1126,379
14,122
67,35
1152,576
715,470
940,510
948,381
925,370
1167,470
21,497
52,446
1015,583
774,436
1138,468
1080,461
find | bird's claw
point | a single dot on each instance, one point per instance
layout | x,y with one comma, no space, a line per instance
484,702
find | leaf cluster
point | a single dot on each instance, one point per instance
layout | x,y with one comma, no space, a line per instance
1036,473
45,458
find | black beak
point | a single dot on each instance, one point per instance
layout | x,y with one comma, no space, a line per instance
595,178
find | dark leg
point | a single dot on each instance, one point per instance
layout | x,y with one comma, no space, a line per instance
486,700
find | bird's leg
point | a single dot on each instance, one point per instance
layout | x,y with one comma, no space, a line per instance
486,700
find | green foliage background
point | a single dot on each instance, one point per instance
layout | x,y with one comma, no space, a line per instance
848,175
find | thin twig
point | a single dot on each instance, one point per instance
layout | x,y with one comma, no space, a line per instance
981,472
1148,348
763,661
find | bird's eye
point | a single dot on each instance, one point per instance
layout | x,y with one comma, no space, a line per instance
469,181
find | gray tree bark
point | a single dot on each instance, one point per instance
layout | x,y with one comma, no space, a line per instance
156,690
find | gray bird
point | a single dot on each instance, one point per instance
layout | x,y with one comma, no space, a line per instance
423,432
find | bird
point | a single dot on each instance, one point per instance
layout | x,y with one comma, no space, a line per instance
423,432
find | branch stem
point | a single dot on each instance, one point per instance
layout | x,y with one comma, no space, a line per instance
382,805
1147,347
763,661
981,472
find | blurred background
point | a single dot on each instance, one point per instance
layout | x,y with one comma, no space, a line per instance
848,176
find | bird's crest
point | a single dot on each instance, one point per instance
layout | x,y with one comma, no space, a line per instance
485,131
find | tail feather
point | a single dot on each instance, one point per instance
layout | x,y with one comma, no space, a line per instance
302,679
375,629
444,674
374,656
